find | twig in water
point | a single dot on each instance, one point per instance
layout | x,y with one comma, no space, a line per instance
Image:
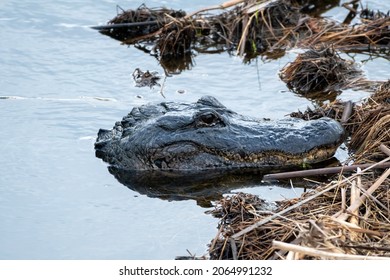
320,171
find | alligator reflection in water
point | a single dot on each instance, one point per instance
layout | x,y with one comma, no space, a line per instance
203,188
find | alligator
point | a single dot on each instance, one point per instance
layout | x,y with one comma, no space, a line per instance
205,135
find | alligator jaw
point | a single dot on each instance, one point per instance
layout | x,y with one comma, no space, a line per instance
186,155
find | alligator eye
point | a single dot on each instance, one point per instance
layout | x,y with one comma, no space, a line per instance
208,118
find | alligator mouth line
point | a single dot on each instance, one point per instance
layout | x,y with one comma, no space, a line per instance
275,157
189,150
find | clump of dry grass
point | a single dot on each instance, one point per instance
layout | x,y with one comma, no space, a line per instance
320,71
249,27
268,28
345,219
176,39
371,125
364,36
133,25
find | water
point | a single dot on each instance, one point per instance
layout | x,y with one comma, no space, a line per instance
61,82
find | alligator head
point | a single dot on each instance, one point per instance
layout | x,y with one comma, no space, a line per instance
206,135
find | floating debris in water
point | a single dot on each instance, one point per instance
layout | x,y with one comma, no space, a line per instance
133,24
146,79
321,70
248,28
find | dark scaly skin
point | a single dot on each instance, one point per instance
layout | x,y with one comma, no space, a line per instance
206,135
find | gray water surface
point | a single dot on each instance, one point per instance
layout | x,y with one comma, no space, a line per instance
60,82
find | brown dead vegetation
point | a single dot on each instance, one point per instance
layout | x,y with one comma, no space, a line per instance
248,27
345,219
321,71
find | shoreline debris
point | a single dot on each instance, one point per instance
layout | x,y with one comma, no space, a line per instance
317,225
